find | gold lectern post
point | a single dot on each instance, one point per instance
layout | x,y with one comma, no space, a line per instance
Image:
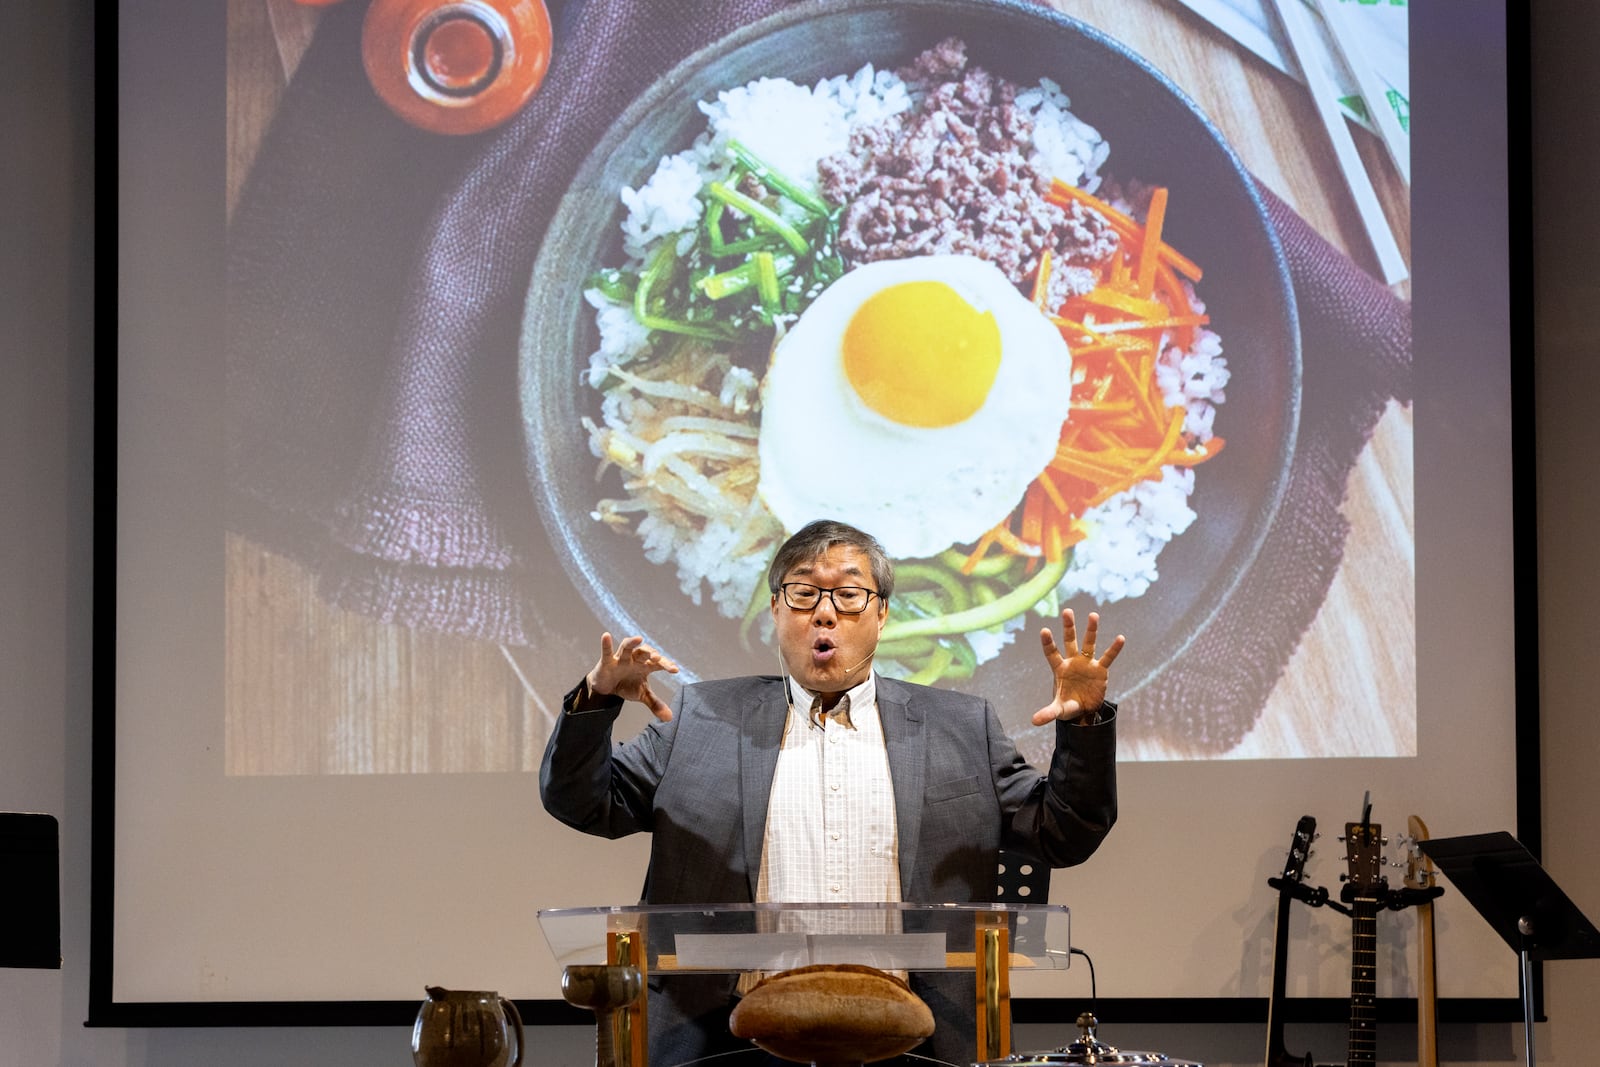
631,1033
994,986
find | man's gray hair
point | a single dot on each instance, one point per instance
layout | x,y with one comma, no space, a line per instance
815,538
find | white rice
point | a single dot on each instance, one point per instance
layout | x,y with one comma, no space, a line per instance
1118,559
622,336
1064,147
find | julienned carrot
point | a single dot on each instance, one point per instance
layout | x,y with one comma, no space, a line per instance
977,552
1012,543
1081,466
1041,281
1176,296
1050,490
1114,299
1125,226
1143,466
1169,323
1150,242
1169,441
1052,542
1107,410
1171,291
1120,431
1060,192
1032,517
1043,499
1118,279
1090,347
1140,388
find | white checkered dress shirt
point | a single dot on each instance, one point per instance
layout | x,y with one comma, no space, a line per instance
831,818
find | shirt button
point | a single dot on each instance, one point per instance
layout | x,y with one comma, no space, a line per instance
834,888
834,787
836,835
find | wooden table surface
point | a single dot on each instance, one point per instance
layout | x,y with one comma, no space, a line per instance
312,689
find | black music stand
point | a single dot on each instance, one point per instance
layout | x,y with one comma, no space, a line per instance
1500,878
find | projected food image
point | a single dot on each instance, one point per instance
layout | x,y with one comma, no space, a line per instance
922,300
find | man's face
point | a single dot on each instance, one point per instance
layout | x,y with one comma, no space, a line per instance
825,651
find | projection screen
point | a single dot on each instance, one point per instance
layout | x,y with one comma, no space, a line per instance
406,419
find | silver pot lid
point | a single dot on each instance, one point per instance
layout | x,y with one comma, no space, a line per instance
1089,1049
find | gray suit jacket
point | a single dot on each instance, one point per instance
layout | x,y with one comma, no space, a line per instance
699,785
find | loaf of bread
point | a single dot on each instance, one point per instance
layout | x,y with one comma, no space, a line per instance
832,1013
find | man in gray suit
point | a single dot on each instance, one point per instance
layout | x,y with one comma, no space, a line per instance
830,782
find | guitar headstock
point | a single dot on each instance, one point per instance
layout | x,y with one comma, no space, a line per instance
1419,868
1294,865
1364,853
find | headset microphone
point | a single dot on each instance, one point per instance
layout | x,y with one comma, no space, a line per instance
783,676
788,694
863,663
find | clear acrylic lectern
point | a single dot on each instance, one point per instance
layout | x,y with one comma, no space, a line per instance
986,939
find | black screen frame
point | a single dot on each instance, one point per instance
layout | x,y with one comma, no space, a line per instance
178,49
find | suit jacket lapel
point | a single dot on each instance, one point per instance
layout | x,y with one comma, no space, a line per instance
759,741
907,743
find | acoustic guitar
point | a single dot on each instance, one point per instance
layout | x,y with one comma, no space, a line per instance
1366,891
1420,875
1289,885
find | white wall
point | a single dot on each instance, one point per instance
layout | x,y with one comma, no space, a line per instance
46,561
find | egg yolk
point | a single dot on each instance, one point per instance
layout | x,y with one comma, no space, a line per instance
917,353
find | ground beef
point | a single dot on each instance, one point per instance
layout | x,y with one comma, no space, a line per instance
950,176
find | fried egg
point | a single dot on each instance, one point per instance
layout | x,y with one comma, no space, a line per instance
916,399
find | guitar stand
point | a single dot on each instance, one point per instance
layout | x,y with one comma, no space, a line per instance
1391,899
1500,878
1314,895
1317,897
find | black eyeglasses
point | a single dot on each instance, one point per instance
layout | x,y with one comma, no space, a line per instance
847,599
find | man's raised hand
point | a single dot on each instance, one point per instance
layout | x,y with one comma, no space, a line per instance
624,670
1078,675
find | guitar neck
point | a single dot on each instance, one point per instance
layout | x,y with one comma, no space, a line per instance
1363,1047
1427,1007
1289,885
1419,875
1277,1054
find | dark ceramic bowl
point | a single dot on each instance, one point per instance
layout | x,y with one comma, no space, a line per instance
1156,135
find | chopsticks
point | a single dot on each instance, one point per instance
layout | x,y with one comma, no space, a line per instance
1374,90
1301,33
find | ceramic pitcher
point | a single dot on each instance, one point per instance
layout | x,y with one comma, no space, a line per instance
467,1028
